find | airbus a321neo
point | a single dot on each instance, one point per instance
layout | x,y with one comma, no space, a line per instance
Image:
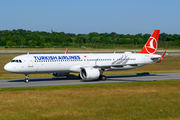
89,66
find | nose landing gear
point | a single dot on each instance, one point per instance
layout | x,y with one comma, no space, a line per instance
26,80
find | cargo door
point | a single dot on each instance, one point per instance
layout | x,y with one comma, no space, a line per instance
145,58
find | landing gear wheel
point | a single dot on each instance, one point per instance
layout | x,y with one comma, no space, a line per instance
102,77
26,80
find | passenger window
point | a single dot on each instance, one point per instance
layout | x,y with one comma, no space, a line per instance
20,61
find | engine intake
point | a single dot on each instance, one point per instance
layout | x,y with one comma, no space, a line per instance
89,73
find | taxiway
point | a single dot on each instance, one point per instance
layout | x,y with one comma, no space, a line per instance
33,82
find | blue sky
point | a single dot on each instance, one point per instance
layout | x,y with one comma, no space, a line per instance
85,16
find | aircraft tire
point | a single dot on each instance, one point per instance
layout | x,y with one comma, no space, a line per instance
26,80
102,77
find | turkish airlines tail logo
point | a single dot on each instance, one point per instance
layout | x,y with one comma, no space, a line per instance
151,45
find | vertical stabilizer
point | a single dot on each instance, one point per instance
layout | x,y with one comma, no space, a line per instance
151,45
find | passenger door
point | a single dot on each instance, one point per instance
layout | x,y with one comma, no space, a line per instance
30,61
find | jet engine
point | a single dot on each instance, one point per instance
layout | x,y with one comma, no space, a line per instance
89,73
60,74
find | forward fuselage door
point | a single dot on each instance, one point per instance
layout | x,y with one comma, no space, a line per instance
30,61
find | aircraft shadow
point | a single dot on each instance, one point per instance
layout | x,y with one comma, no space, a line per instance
75,78
136,75
133,76
46,79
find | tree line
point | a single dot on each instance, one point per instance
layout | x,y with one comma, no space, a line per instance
27,38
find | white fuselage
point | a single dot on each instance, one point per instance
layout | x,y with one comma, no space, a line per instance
65,63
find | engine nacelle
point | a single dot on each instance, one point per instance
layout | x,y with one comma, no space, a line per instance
60,74
89,73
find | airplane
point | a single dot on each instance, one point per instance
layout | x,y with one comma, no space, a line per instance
90,66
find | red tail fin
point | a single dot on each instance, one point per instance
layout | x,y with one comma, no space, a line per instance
151,45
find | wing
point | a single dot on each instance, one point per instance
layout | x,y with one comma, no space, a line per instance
109,66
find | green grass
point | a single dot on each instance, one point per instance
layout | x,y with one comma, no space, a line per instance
62,50
126,101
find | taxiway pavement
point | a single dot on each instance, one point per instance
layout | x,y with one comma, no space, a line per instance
33,82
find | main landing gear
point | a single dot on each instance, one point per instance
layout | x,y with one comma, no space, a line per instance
102,77
26,80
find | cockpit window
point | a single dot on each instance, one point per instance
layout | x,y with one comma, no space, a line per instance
17,61
13,61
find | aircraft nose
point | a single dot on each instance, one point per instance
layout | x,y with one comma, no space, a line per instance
7,67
